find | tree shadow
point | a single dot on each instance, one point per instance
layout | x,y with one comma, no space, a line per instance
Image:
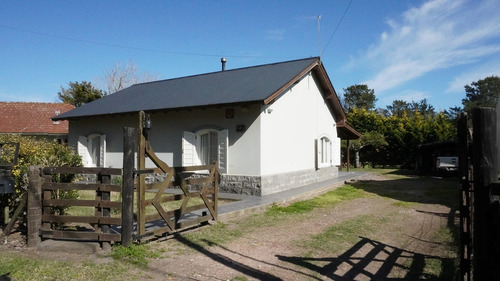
224,260
376,261
414,188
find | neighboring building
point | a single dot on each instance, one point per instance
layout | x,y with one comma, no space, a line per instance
271,127
34,119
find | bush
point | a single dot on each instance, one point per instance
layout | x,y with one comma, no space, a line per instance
40,152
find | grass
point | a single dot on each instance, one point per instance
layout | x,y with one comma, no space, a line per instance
340,237
343,193
221,233
334,240
137,254
29,268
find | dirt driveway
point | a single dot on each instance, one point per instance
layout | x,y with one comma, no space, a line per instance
403,228
406,233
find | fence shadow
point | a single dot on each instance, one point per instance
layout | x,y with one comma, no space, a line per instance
376,261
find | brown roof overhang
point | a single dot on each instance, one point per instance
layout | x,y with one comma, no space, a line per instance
344,131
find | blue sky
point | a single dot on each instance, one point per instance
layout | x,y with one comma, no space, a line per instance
406,50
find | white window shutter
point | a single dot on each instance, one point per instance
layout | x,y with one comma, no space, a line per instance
83,150
223,137
189,155
102,151
336,152
317,153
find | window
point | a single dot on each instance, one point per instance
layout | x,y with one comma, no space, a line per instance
324,152
205,147
92,149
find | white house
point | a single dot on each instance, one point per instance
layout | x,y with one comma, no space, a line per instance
271,127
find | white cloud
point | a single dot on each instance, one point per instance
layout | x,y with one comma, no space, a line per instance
466,78
437,35
407,95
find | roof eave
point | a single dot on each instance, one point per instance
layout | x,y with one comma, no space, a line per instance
58,118
345,131
276,94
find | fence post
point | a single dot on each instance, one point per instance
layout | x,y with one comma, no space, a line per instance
34,206
485,173
129,143
105,212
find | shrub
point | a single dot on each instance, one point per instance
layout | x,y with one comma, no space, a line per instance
40,152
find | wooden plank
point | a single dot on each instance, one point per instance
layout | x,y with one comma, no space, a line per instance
110,220
69,186
141,165
165,198
196,180
70,202
129,145
72,235
193,168
66,219
46,195
162,186
157,161
151,186
485,173
82,203
81,186
18,210
163,214
81,219
110,188
149,171
81,170
112,237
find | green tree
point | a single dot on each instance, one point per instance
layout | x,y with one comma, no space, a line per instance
79,94
422,107
482,93
398,108
359,96
371,142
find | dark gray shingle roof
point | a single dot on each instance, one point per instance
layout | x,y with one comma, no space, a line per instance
251,84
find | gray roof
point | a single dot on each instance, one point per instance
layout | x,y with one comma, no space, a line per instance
244,85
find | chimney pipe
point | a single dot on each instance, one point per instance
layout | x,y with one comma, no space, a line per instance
223,61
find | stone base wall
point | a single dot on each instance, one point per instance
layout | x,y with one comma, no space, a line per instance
264,185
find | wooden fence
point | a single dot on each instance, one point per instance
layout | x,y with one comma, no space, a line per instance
96,226
187,196
479,197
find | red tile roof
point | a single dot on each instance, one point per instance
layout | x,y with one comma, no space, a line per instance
32,117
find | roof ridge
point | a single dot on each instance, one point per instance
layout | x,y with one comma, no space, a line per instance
227,70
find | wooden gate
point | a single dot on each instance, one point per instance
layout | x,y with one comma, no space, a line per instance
186,196
479,197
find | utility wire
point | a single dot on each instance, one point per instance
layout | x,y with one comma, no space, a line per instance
338,25
126,47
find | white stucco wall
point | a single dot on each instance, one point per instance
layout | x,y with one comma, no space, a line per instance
290,127
278,138
111,127
167,131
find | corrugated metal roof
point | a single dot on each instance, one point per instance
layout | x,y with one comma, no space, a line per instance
251,84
